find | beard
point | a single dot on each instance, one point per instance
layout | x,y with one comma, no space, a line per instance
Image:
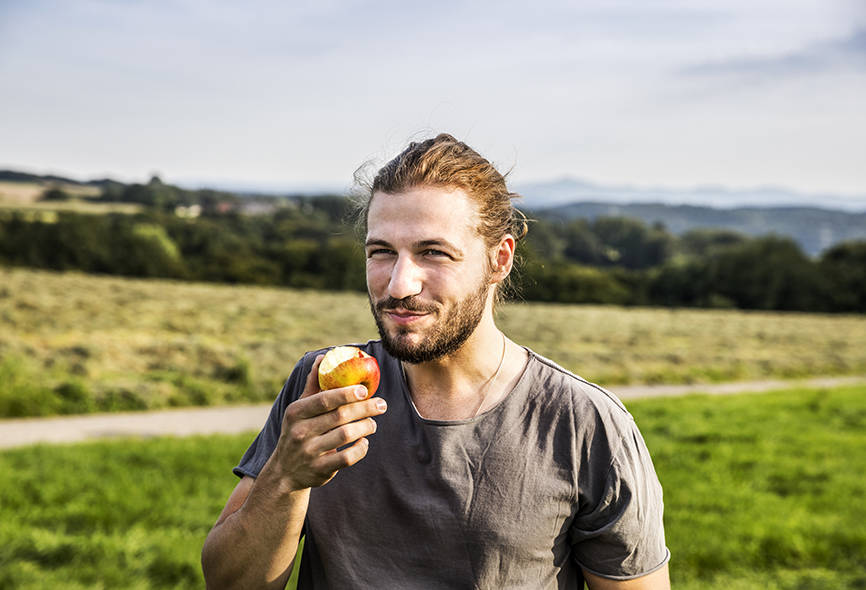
453,327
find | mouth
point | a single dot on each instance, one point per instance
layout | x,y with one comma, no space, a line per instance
403,317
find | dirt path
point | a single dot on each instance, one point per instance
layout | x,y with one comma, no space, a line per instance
237,419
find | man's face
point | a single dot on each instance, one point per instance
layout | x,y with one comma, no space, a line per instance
428,275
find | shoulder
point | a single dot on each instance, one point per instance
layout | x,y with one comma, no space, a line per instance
600,423
557,381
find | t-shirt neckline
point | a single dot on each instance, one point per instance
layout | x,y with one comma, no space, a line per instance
404,386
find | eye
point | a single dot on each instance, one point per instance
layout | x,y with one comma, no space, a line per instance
433,252
378,252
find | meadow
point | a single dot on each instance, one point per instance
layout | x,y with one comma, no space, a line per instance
25,198
762,491
74,343
16,193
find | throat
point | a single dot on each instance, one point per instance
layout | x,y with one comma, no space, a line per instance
452,408
466,400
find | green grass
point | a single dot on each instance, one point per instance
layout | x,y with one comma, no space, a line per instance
129,514
73,343
761,491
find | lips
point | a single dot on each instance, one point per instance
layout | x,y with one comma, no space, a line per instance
404,312
404,317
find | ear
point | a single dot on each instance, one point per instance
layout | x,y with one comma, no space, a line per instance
502,258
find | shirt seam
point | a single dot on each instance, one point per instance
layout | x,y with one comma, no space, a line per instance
664,560
549,363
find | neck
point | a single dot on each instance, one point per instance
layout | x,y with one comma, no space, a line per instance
462,385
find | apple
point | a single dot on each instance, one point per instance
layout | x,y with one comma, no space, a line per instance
347,365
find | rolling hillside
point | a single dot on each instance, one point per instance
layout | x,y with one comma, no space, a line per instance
814,229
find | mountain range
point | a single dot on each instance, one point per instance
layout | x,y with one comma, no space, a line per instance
812,228
814,221
545,194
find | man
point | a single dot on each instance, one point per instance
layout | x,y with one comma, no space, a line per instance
491,467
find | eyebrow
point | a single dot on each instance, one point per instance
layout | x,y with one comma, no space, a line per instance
420,244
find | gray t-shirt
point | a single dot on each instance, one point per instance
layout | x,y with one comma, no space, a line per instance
553,479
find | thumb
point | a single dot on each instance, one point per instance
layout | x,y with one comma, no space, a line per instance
312,385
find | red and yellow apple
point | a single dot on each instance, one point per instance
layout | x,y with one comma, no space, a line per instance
347,365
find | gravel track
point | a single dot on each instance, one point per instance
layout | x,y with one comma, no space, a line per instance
247,418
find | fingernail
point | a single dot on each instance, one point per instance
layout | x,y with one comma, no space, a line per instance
361,392
381,405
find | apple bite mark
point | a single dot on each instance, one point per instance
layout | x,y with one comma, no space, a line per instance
348,365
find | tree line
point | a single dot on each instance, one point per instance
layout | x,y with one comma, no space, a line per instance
309,242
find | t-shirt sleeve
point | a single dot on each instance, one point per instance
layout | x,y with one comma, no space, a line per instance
263,446
618,532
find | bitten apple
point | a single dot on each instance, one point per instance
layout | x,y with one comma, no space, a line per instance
347,365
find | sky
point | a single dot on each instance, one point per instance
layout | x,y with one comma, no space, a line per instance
298,95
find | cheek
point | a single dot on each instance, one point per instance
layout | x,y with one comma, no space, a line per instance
378,276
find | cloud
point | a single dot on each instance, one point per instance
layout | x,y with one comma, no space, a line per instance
845,53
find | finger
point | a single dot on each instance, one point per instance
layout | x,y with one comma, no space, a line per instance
312,385
343,435
349,413
301,429
332,462
323,402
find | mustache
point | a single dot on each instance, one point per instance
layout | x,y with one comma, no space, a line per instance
412,304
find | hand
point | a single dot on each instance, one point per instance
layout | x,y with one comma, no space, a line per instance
318,424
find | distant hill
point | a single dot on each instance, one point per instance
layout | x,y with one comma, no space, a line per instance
16,176
537,195
769,211
814,229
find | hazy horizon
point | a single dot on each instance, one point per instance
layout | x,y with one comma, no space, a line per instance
554,192
672,94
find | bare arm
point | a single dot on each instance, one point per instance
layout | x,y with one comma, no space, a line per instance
254,541
658,580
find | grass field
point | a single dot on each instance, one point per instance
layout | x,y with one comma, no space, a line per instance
46,211
25,197
25,193
73,343
762,491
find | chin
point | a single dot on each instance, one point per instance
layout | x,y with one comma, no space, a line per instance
403,340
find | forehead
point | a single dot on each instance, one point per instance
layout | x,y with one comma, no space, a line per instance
422,213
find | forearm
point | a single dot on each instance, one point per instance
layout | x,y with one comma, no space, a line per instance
657,580
254,542
255,546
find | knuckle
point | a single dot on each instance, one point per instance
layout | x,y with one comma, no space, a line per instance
346,434
291,413
371,425
342,415
325,404
358,451
297,434
307,450
346,459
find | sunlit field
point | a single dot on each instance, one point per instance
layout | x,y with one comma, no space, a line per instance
24,199
47,211
73,343
762,491
28,193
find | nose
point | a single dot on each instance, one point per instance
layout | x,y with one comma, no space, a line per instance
405,278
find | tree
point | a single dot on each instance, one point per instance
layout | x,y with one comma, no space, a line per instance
55,194
844,268
630,243
767,273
